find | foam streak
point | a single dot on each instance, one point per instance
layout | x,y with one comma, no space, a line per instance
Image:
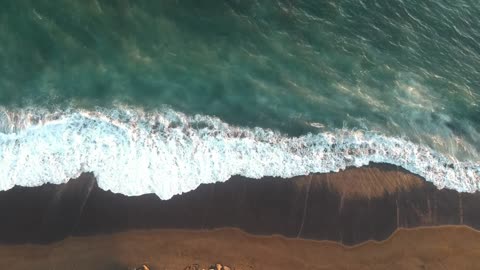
168,153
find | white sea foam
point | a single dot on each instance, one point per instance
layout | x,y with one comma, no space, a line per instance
166,152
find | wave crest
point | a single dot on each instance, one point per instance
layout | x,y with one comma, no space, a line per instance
134,152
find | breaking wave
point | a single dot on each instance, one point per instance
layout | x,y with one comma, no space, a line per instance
165,152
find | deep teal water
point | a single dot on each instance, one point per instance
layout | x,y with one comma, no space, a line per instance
387,65
374,64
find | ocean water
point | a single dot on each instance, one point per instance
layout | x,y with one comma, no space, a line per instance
161,96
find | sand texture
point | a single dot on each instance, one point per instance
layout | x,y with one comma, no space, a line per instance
426,248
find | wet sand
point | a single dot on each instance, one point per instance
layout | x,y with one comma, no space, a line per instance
446,247
321,221
348,207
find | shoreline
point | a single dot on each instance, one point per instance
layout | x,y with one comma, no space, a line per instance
175,147
256,236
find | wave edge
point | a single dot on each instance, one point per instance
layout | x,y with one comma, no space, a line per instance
134,152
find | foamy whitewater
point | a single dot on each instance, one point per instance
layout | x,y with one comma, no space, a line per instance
167,153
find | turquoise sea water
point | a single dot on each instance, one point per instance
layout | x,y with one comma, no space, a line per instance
124,77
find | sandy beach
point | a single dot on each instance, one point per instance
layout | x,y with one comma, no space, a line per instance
448,247
321,221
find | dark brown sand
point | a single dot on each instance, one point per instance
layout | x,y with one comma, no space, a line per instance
79,226
446,247
349,207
